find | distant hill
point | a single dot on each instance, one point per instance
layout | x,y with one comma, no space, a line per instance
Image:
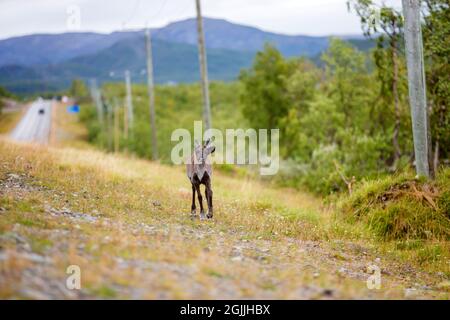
173,62
50,61
220,34
54,48
223,34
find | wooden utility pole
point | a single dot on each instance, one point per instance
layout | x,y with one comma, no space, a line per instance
96,96
97,99
116,126
151,92
110,131
125,122
416,84
203,68
129,102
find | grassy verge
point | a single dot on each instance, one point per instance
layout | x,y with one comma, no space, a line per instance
8,120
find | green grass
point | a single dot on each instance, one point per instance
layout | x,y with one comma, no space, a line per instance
105,292
401,207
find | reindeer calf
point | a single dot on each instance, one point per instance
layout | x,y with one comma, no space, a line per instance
199,171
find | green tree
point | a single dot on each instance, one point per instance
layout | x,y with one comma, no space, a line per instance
391,69
348,82
301,92
436,35
386,24
265,86
78,89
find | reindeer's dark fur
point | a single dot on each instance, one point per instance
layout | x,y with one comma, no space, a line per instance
199,171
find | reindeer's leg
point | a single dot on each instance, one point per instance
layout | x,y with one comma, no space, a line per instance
200,200
193,208
209,195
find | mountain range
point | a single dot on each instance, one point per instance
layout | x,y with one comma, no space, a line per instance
48,62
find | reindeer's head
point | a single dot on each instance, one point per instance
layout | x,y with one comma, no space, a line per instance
203,151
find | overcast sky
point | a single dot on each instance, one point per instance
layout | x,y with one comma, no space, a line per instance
310,17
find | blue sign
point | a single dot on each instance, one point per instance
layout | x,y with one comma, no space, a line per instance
73,109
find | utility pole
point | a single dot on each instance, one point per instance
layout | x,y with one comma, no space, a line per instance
151,92
96,98
129,101
203,68
125,122
107,125
110,131
416,84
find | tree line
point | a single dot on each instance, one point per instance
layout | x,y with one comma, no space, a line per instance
342,120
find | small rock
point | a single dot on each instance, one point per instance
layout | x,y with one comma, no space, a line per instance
156,203
34,294
386,272
15,237
36,258
13,176
410,293
2,209
316,274
261,258
327,292
237,258
377,260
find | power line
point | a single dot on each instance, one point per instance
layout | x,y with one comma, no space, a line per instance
136,5
183,10
157,13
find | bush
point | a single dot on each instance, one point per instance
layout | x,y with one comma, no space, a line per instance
401,207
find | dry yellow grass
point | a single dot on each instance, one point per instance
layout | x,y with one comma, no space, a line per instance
66,130
8,120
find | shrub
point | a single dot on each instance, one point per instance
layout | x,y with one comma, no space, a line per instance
401,207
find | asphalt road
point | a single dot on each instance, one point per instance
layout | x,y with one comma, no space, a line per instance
35,125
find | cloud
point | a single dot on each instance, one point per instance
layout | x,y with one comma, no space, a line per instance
319,17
